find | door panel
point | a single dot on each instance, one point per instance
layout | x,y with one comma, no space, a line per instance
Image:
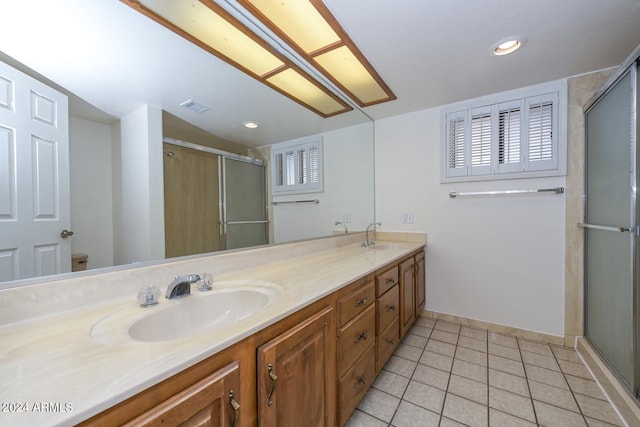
609,254
34,177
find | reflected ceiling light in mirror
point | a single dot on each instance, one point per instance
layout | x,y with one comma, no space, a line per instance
250,125
209,26
309,27
507,45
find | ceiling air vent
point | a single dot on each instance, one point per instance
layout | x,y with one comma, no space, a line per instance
194,106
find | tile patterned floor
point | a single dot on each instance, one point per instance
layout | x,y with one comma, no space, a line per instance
445,375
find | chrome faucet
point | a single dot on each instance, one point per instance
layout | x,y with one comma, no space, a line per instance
342,224
371,242
181,286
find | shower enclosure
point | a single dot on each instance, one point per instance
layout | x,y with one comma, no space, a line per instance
611,224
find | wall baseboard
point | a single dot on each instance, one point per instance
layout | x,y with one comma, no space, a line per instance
624,402
502,329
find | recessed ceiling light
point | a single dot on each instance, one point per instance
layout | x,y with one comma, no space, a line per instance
508,45
250,125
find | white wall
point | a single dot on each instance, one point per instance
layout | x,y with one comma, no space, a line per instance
495,259
140,232
348,171
91,191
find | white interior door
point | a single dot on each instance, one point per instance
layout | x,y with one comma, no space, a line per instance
34,178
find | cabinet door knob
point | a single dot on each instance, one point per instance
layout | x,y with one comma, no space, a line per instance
236,409
361,381
362,336
274,382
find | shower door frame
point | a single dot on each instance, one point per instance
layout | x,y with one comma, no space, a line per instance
630,66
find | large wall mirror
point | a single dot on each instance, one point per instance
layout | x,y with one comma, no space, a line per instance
126,78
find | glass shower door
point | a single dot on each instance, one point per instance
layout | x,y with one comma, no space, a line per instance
610,218
244,204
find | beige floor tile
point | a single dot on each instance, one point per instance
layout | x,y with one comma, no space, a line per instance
400,366
511,403
444,336
360,419
448,422
477,334
597,423
468,389
507,352
472,343
391,383
465,411
575,369
553,396
500,419
469,370
425,323
552,416
598,409
506,365
547,362
447,326
409,415
408,352
584,386
441,347
473,356
566,353
379,404
508,382
503,340
436,360
546,376
535,347
425,396
415,340
431,376
420,331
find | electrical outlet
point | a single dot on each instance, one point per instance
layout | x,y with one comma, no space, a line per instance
407,217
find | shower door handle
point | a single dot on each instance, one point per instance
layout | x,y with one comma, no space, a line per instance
605,227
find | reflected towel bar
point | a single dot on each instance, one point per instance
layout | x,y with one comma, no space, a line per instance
556,190
291,202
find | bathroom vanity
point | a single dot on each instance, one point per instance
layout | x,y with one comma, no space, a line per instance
329,315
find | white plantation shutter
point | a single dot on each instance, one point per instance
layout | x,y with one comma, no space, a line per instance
541,144
481,141
511,139
297,167
456,144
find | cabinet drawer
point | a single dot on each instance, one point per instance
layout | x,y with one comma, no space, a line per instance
387,342
388,308
355,384
355,338
386,280
356,302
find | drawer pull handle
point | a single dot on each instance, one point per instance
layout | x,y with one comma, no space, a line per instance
361,302
362,336
390,280
391,307
361,380
274,382
236,409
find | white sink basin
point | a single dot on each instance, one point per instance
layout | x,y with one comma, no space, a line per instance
200,312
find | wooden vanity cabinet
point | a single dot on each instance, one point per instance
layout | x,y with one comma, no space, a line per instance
419,267
412,290
296,375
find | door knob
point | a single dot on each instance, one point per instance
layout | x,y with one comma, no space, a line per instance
66,233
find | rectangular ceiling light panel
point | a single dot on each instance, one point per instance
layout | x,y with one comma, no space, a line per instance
209,26
310,28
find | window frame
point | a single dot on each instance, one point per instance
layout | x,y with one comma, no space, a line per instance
525,99
290,173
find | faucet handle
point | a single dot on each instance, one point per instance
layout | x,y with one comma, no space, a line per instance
148,296
206,283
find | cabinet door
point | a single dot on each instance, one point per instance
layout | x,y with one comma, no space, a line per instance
420,282
297,375
212,401
407,296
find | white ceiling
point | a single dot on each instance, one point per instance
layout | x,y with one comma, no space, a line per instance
429,52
